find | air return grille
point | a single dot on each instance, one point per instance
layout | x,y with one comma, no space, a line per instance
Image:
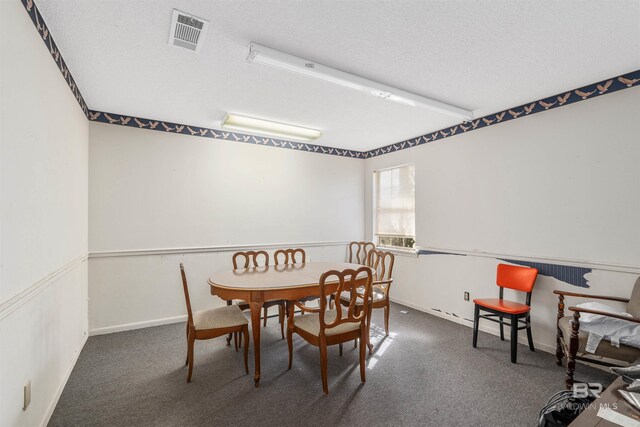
187,31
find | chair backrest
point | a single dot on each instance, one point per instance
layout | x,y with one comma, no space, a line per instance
250,259
633,308
517,278
359,252
382,264
186,296
348,281
288,256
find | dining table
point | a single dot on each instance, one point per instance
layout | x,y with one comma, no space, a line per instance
290,282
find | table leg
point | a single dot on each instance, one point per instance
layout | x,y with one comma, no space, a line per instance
256,308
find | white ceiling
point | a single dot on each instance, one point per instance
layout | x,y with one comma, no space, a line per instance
481,55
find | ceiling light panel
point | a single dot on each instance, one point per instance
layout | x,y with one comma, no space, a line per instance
275,58
269,128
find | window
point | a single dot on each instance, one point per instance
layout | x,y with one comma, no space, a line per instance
395,200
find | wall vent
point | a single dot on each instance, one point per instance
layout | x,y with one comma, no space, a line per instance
187,31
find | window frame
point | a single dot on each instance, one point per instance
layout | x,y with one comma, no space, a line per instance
375,235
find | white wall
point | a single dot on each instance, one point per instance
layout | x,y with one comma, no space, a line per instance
43,223
151,191
556,186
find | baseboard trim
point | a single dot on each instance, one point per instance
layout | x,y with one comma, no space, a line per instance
56,397
206,249
18,300
137,325
484,328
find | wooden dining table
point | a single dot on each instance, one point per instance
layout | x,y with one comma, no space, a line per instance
257,285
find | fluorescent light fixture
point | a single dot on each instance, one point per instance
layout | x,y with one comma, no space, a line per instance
269,128
274,58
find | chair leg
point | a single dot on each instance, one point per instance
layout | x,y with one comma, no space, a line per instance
476,320
355,343
514,339
229,302
559,352
281,319
387,309
529,336
368,337
362,357
290,346
245,332
501,329
240,340
187,359
266,311
323,364
559,337
340,347
573,350
190,344
235,340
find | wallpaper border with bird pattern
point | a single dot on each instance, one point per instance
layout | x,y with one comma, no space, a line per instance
583,93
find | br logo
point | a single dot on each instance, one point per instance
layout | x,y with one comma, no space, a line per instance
582,390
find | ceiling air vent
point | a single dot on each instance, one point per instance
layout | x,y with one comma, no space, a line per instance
187,31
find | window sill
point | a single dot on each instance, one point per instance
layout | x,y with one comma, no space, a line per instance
413,253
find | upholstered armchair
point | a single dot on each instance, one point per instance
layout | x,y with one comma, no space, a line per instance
571,341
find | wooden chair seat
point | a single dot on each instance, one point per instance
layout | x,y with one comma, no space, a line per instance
310,323
503,305
377,296
216,318
605,349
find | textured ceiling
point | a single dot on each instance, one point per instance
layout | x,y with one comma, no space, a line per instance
481,55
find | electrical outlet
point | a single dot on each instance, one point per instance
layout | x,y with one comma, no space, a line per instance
466,296
27,396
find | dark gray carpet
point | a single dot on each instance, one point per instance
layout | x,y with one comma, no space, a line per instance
427,373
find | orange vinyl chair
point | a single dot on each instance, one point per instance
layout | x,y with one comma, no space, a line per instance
512,277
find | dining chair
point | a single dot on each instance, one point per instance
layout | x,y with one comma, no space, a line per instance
572,342
359,252
212,323
256,259
512,277
290,256
382,264
321,327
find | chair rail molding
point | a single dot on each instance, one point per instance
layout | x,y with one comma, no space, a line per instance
590,91
567,270
18,300
207,249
